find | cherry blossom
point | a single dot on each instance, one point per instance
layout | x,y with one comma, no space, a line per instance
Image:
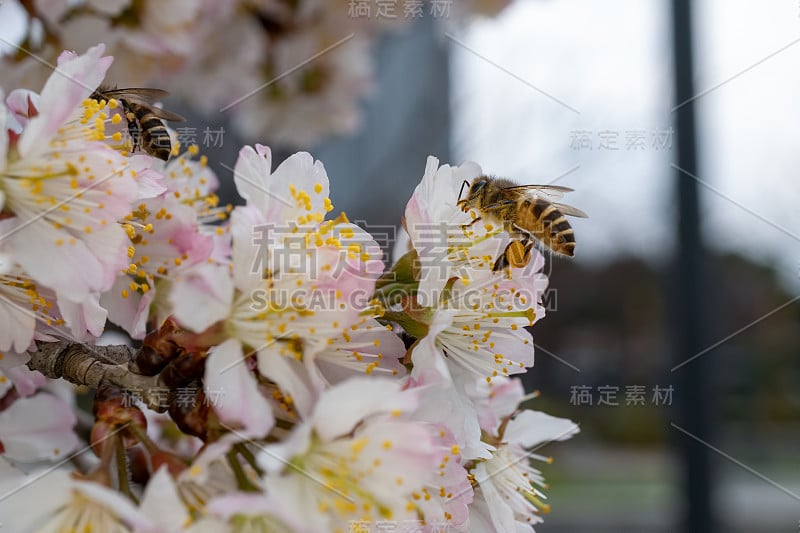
276,375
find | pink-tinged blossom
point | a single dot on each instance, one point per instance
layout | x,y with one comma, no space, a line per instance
434,223
479,325
476,334
444,501
36,428
164,240
508,495
445,403
30,312
191,181
66,188
295,192
20,307
56,501
495,401
297,281
238,401
365,348
202,296
353,460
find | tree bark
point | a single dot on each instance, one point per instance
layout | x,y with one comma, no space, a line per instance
96,366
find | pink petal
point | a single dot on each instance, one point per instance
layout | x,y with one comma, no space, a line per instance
36,428
25,380
72,82
202,296
238,401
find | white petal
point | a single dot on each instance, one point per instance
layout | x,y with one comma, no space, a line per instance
86,316
10,360
342,407
302,172
275,458
202,296
79,271
22,104
291,376
249,256
531,428
72,82
443,403
250,174
239,403
17,325
116,503
162,503
426,356
25,380
29,499
131,312
39,427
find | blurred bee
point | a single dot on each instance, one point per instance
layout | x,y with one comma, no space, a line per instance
144,120
526,212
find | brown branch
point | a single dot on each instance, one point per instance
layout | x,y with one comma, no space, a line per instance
95,366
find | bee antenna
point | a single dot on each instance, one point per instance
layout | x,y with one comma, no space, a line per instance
462,189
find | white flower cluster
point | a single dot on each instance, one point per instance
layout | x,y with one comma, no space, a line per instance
292,72
307,388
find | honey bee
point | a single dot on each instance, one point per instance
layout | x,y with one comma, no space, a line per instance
526,212
144,120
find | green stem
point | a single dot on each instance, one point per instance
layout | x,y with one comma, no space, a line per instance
248,456
142,436
241,477
122,470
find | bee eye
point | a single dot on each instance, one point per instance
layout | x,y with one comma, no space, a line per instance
477,186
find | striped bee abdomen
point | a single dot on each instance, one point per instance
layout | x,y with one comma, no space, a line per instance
548,225
154,137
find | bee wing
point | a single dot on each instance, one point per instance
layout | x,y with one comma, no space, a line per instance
166,115
548,192
569,210
145,96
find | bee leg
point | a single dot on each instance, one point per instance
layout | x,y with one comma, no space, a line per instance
517,254
134,132
465,226
527,253
501,263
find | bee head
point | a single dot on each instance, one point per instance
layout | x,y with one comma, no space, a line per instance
473,194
